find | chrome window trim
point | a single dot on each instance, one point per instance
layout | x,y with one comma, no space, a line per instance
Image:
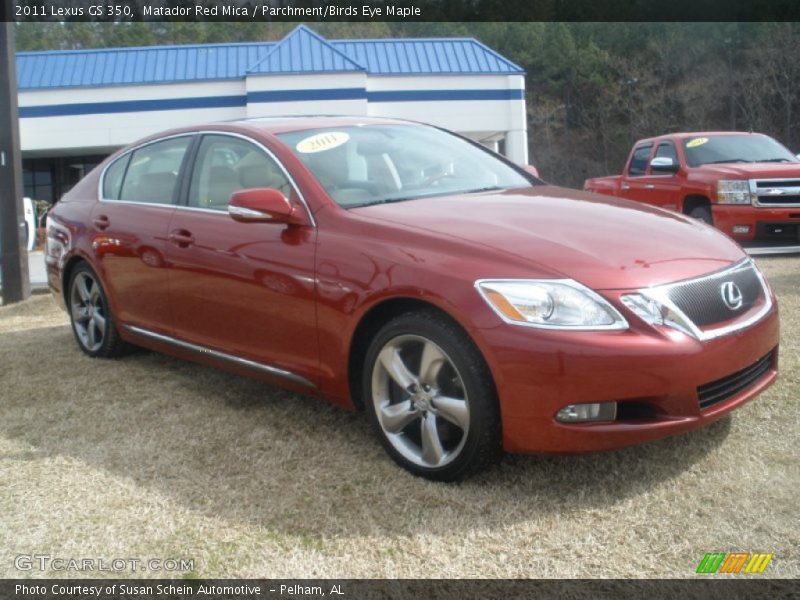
660,294
237,360
102,178
620,322
258,144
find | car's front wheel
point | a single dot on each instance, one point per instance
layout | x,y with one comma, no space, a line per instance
702,213
90,314
431,398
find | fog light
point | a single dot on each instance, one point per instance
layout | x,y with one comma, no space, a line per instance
741,229
574,413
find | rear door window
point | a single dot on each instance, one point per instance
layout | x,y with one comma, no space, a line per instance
152,174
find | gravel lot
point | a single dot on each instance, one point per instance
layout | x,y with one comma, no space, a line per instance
152,457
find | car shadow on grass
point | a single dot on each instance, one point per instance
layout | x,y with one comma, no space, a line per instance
233,448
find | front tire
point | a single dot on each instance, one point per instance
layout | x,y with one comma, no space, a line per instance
430,397
90,314
702,213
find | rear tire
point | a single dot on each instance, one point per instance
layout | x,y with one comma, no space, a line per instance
430,397
702,213
93,324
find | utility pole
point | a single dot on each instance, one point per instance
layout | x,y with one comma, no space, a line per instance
13,254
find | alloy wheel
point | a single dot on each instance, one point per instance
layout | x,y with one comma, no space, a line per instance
88,311
420,401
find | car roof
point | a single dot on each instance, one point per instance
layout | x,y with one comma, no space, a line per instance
285,124
272,126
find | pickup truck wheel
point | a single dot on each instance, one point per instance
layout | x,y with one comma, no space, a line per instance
702,213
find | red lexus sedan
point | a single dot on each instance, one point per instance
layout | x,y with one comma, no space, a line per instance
465,305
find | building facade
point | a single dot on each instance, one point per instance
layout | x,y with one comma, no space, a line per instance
76,107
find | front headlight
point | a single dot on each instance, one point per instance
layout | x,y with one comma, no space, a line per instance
733,191
550,304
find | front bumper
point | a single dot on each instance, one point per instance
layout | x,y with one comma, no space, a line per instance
766,226
654,375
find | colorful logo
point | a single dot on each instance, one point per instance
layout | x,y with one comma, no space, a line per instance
735,562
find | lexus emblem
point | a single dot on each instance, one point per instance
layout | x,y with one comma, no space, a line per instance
731,295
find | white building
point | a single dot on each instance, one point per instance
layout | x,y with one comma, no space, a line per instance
76,107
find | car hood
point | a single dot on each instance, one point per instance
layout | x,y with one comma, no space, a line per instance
602,242
752,171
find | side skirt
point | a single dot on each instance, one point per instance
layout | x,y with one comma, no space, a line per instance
236,360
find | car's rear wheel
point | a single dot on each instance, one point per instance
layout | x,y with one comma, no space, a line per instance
431,398
92,322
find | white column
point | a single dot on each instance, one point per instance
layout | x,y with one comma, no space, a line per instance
517,146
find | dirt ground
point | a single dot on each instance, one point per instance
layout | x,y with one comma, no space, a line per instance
153,457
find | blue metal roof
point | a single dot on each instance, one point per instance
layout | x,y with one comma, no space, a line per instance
119,66
304,51
437,56
301,51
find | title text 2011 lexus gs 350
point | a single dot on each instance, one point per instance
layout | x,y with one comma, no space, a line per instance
465,305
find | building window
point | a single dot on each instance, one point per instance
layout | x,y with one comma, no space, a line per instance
38,177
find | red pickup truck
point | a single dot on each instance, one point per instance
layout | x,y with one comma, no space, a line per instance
745,184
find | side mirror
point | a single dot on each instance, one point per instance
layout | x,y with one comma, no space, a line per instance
263,205
664,164
531,170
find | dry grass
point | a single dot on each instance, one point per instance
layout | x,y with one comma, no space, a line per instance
154,457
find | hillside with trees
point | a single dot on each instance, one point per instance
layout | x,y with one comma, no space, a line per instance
592,88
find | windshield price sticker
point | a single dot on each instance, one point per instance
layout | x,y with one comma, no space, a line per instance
696,142
322,142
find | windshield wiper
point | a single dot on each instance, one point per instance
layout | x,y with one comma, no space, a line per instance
490,188
406,198
376,202
389,200
728,160
776,160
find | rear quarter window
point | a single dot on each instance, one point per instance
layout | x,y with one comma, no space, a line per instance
112,180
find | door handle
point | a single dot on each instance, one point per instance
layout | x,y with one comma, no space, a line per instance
624,187
181,238
649,186
101,222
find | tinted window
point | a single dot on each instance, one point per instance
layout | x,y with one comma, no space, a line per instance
225,165
152,173
638,164
390,163
112,180
734,149
667,150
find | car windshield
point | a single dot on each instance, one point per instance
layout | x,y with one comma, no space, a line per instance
374,164
709,150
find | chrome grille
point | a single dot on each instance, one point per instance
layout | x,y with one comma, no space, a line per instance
713,305
776,192
727,387
702,300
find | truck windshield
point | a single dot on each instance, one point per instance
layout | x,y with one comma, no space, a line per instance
375,164
734,149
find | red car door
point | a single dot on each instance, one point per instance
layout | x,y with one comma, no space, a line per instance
130,224
659,187
246,290
633,183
